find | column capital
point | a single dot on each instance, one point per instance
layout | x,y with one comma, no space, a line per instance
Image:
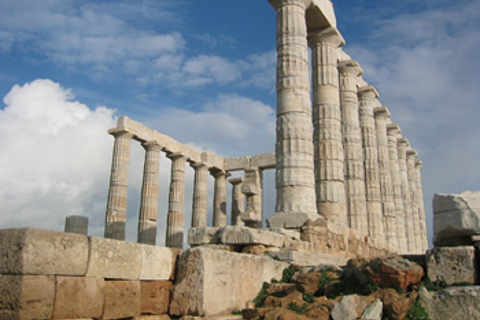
120,132
196,165
216,172
152,145
418,164
403,142
350,68
323,36
393,129
277,4
411,153
368,91
235,181
175,155
381,112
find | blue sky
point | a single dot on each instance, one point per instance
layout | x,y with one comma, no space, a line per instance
204,73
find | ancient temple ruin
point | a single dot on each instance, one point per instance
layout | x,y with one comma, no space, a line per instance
342,164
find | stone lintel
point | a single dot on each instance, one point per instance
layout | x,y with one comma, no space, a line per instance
263,161
236,164
382,111
326,35
350,67
368,90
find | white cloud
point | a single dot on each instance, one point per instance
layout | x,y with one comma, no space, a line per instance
55,159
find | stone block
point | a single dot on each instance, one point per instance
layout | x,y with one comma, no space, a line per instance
114,259
345,308
25,297
456,303
451,265
287,220
152,317
247,236
308,258
203,235
78,297
456,218
123,299
42,252
155,297
158,263
213,282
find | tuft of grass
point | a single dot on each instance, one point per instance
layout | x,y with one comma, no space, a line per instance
308,297
417,312
297,309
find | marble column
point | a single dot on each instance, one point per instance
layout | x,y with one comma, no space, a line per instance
412,180
327,126
295,180
116,215
238,201
393,130
352,141
367,96
176,216
421,206
382,117
402,145
200,195
220,198
253,190
147,223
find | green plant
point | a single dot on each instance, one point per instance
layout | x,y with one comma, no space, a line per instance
237,312
262,295
308,297
288,274
434,286
417,312
297,309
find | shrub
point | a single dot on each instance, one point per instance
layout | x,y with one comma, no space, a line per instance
288,273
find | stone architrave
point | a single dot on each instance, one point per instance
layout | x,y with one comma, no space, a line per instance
238,201
421,206
367,96
253,189
352,140
220,198
382,116
392,131
402,145
295,179
327,126
116,215
200,195
147,223
176,216
412,180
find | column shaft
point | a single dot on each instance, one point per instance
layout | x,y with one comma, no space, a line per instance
116,215
382,116
393,130
367,96
295,183
200,195
238,201
220,199
327,126
421,206
253,190
352,140
402,145
147,222
412,180
175,219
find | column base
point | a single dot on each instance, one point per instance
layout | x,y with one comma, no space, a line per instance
289,220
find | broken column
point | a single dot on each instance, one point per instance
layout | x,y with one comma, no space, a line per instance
382,116
352,139
327,124
147,222
238,202
252,188
367,96
392,131
175,219
295,183
116,215
200,195
402,145
76,224
220,198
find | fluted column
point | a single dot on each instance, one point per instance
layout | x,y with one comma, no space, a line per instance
421,206
220,198
253,189
367,96
116,215
176,217
382,116
393,130
402,145
352,141
147,222
412,180
238,201
327,126
200,195
295,181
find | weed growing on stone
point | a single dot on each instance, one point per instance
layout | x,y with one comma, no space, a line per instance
297,309
417,312
262,296
308,297
288,273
